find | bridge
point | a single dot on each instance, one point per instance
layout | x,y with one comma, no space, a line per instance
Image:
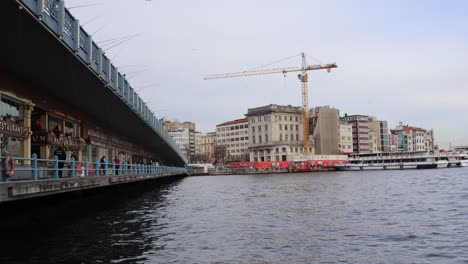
63,90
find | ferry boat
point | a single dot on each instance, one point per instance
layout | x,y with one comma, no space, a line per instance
456,158
395,161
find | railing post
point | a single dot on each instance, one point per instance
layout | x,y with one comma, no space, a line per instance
97,170
56,173
113,168
86,172
34,167
61,18
126,168
99,61
90,49
105,167
40,8
73,169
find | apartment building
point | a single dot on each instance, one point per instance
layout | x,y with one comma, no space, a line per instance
360,129
235,136
346,138
181,137
410,138
175,126
382,135
276,133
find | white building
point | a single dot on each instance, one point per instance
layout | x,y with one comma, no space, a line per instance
235,136
346,138
276,133
182,139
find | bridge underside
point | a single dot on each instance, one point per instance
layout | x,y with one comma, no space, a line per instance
32,54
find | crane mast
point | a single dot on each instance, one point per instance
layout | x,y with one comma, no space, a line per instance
303,77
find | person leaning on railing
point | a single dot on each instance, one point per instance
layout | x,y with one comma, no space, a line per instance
61,155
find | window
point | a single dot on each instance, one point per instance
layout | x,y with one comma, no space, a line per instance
266,127
285,127
280,126
276,118
292,127
279,118
253,140
290,118
277,150
286,138
259,128
281,137
266,138
297,118
292,137
253,129
259,138
297,127
297,137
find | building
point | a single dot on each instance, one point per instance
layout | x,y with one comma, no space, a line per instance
382,135
176,126
234,135
360,129
181,137
208,144
346,138
324,128
276,133
410,138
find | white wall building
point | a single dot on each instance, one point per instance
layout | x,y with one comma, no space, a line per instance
276,133
182,139
235,136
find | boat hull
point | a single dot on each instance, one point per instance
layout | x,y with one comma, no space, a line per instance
400,166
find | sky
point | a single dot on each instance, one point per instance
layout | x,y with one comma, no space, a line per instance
401,61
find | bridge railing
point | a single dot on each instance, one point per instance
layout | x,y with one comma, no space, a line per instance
59,20
35,169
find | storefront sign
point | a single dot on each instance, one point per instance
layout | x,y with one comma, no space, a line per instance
14,130
44,138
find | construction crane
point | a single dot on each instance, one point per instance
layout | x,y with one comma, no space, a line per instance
303,77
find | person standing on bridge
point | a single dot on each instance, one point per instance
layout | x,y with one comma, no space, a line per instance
117,165
102,162
61,155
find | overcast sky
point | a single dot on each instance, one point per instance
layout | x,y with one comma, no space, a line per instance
398,60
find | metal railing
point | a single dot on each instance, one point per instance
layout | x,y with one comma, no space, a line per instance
56,17
35,169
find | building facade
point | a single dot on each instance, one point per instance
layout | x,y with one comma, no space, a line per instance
410,138
176,126
324,128
346,138
234,135
382,135
276,133
181,137
360,129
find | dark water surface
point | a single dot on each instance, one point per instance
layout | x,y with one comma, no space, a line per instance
411,216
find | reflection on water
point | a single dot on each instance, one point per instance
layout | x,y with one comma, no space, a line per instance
413,216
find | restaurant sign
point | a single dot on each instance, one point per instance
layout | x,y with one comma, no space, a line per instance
44,138
14,130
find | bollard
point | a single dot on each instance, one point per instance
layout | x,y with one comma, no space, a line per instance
56,173
34,167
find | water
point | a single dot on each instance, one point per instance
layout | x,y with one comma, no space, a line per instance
411,216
